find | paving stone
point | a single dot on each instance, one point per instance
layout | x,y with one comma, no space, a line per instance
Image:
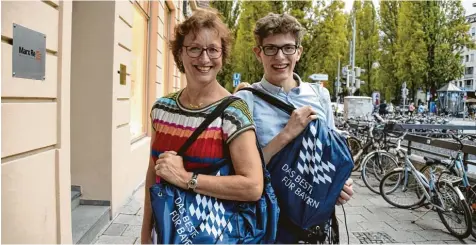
404,226
376,226
132,207
379,217
128,219
132,231
430,224
437,234
352,218
115,229
406,236
116,240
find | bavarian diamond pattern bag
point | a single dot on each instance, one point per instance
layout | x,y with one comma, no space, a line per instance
309,173
185,217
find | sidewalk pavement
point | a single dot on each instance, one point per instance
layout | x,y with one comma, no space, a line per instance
369,220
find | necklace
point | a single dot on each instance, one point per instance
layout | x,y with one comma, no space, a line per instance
192,105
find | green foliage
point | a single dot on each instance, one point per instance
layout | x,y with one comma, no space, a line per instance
230,10
244,60
326,43
387,77
419,42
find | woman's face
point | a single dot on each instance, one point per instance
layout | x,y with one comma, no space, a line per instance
202,66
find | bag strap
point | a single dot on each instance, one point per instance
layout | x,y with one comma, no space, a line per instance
271,100
218,111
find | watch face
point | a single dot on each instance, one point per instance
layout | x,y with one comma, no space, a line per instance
192,183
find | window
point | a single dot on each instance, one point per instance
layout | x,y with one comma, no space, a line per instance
473,31
467,58
469,83
469,71
139,70
472,58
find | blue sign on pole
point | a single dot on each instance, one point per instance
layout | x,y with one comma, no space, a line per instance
236,79
236,76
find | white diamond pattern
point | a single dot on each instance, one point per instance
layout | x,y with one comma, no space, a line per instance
309,161
211,213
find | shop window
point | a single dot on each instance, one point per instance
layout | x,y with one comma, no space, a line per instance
139,70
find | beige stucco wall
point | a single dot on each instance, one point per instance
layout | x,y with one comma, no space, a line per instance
73,127
35,130
91,98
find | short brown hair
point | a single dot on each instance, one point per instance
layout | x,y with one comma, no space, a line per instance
202,18
278,24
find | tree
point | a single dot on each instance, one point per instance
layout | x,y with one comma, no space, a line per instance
388,43
411,53
302,11
431,37
327,43
447,37
277,7
367,47
230,11
244,60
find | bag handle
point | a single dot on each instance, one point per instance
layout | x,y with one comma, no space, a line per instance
272,100
218,111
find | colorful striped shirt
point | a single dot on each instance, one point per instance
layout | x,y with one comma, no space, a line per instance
173,124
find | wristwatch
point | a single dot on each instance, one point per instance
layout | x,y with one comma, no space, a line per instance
192,183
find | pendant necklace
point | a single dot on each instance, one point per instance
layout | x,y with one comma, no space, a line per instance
192,105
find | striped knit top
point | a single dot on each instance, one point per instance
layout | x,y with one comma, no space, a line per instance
173,124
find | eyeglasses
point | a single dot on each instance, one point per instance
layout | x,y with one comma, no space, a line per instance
271,50
195,52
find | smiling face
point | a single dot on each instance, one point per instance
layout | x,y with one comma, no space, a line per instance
199,67
278,68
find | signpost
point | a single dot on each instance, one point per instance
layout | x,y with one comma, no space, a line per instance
318,78
404,92
236,79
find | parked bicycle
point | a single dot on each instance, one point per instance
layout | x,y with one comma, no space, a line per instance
442,193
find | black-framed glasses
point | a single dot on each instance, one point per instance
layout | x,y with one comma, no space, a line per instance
271,50
195,51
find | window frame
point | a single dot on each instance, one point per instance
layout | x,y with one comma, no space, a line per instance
146,12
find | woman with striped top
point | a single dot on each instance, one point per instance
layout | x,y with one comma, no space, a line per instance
201,46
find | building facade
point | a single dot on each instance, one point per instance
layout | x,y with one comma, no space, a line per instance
468,81
76,143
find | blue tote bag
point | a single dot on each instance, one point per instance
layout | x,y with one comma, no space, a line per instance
185,217
309,173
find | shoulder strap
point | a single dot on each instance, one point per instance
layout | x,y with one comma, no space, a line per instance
272,100
218,111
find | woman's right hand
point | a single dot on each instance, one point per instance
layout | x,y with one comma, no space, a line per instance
299,120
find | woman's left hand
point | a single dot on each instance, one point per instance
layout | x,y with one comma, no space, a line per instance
346,193
169,166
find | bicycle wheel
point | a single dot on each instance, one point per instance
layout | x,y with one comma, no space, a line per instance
456,209
401,192
354,147
374,166
471,199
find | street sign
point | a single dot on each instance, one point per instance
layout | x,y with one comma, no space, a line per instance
236,76
236,79
319,77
